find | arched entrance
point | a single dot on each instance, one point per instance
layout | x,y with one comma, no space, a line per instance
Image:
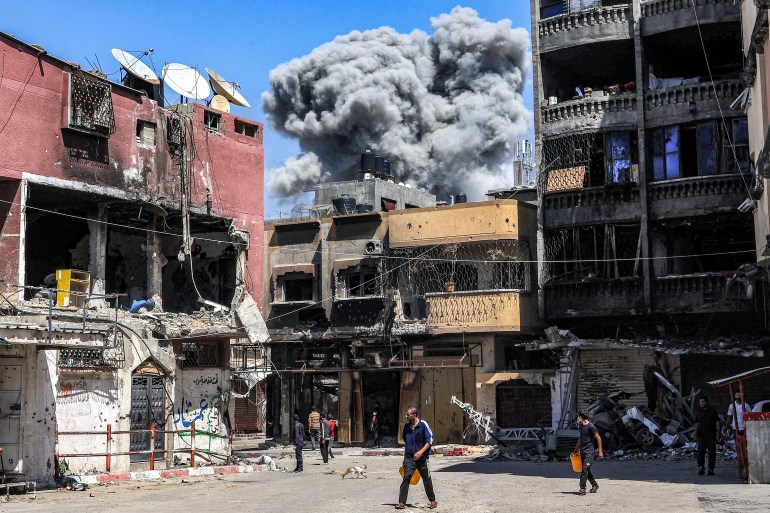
148,407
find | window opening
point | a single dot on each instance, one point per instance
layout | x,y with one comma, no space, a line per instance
246,129
145,133
665,153
618,158
740,140
91,104
296,287
201,354
212,121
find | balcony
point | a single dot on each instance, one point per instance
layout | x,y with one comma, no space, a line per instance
591,113
598,298
665,15
697,196
692,102
595,205
481,311
465,222
695,293
590,26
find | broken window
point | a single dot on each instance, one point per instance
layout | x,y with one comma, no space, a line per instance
212,121
550,8
700,149
617,150
665,153
201,354
295,286
90,104
736,155
360,281
145,133
112,358
246,129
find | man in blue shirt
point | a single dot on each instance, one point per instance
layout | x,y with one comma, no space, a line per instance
299,442
417,441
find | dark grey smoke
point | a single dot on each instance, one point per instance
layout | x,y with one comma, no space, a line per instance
445,109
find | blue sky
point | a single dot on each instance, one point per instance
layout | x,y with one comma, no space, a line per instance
242,41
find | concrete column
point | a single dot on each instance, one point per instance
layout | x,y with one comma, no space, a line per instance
155,263
640,132
12,230
537,80
97,264
286,420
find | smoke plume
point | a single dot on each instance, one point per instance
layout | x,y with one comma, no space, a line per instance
445,109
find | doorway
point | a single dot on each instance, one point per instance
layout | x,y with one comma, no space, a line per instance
10,411
148,407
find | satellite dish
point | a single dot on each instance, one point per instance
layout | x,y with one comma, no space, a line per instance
226,89
219,102
135,66
186,81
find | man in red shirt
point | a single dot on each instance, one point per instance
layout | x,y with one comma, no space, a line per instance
333,425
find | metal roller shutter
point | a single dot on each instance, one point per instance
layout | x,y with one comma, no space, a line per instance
606,370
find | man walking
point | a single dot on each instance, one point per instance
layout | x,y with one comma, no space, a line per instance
585,446
314,426
333,426
299,442
417,441
326,436
706,434
376,423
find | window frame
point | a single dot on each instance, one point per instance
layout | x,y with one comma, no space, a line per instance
664,156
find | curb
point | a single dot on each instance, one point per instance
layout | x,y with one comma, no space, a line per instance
150,475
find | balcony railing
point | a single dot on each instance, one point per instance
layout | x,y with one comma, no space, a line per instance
664,15
592,206
592,112
624,296
694,293
699,195
474,311
573,29
701,101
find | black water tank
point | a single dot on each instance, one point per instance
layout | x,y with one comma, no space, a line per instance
379,164
345,204
363,208
386,165
461,198
367,161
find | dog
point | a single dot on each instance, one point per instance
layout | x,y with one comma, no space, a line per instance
356,471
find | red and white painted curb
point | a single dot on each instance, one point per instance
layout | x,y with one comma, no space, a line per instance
150,475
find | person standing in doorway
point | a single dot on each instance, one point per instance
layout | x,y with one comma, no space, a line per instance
299,442
738,407
375,424
706,434
585,446
314,426
326,436
333,426
417,441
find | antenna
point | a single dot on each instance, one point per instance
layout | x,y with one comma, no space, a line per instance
186,81
135,67
523,164
226,89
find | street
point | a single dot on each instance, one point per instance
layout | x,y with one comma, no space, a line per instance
462,485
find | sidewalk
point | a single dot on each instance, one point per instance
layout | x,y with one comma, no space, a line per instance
149,475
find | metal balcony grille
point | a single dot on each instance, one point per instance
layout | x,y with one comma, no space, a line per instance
91,104
112,358
201,354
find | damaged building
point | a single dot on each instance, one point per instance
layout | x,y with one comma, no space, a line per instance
386,297
132,238
646,193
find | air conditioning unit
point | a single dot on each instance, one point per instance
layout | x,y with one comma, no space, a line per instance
374,247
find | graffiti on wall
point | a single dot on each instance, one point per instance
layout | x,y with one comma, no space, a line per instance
186,415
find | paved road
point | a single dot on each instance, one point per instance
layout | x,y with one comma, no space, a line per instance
462,485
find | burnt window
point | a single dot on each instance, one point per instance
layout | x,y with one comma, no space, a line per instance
145,133
246,129
358,282
90,106
550,8
617,151
737,161
212,121
705,135
201,354
583,5
295,287
665,153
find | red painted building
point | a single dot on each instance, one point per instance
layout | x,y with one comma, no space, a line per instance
143,201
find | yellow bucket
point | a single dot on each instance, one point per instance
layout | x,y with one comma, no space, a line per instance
415,476
577,462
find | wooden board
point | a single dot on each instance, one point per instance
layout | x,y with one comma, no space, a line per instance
567,179
344,422
410,396
469,396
